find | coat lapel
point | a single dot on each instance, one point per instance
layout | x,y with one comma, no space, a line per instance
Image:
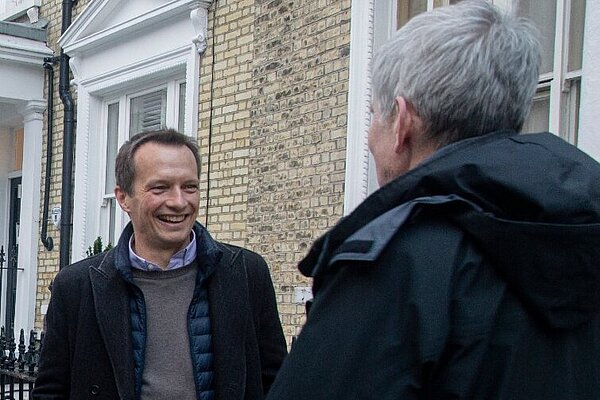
229,310
112,311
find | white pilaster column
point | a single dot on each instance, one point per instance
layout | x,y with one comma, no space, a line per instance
33,117
359,100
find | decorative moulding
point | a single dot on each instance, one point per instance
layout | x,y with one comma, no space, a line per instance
163,64
77,37
33,110
199,17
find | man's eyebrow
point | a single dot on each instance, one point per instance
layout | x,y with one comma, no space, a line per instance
155,182
168,182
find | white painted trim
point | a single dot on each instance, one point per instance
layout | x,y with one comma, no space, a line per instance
83,174
73,41
192,89
359,100
199,18
556,86
23,51
11,175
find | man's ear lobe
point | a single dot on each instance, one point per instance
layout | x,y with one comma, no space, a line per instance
402,125
121,198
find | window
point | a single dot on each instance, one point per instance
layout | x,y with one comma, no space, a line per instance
136,67
556,104
539,115
155,108
406,9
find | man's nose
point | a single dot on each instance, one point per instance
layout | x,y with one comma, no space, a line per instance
176,198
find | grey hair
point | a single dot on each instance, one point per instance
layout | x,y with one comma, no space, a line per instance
466,69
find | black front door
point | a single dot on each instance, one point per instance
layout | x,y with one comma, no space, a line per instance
13,253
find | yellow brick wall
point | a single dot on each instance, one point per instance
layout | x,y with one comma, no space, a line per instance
224,128
298,136
272,133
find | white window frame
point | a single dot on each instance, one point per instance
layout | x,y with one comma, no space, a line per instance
564,94
565,86
106,195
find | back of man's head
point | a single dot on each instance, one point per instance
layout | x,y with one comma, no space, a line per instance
467,70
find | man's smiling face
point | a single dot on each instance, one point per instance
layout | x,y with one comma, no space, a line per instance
163,205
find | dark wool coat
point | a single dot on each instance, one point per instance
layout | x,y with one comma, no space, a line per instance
474,276
88,350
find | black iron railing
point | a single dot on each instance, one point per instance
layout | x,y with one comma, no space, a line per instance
18,364
8,284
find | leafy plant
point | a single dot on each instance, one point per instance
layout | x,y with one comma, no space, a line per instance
96,248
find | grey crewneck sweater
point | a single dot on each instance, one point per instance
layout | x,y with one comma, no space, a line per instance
168,371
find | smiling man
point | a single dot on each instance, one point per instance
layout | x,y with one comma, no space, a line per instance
169,313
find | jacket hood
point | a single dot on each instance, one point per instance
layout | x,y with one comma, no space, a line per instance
531,203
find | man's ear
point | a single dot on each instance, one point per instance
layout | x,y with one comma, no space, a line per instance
403,125
121,197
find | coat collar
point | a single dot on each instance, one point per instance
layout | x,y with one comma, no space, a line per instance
229,316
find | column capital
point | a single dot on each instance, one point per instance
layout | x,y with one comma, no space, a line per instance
32,110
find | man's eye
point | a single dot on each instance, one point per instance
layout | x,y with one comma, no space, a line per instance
158,189
190,188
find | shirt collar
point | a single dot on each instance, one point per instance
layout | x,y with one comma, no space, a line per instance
180,259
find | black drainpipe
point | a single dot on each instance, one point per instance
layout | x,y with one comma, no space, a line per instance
66,202
49,67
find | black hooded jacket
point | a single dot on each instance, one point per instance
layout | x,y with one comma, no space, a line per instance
475,275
